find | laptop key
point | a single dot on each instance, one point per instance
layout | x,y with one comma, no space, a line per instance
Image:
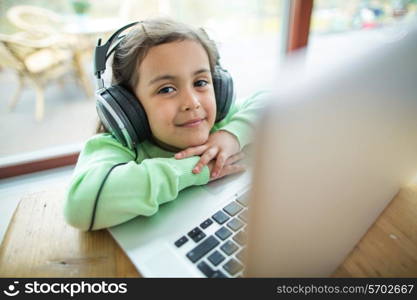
223,233
240,238
209,272
202,249
235,224
233,208
205,269
243,199
233,267
196,234
220,217
241,254
206,223
199,237
216,257
244,216
229,247
218,274
181,241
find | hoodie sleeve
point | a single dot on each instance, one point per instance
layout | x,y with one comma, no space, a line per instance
131,189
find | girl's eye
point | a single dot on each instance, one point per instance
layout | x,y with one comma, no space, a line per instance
166,90
200,83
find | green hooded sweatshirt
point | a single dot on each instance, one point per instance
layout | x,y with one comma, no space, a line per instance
139,186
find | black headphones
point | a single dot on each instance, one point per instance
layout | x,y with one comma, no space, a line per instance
122,113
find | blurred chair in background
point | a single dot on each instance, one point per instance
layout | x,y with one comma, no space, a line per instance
35,19
39,60
45,22
43,51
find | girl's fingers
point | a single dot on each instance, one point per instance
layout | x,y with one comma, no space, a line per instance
205,158
234,158
230,169
198,150
220,161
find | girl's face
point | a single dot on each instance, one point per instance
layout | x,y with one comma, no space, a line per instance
175,88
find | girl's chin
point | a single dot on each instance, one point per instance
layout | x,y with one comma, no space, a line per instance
194,142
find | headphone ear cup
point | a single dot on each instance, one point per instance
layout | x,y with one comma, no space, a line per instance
224,92
108,108
109,122
134,111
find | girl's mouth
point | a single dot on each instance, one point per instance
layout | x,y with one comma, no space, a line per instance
193,123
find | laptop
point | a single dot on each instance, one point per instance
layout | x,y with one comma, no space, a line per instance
330,153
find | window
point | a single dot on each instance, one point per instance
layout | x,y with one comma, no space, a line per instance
248,34
347,27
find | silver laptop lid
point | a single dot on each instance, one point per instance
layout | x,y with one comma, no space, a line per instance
332,153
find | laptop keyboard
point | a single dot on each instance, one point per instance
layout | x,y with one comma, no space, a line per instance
220,254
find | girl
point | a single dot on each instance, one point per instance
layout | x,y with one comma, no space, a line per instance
168,67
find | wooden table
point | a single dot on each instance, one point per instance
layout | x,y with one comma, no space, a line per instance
39,243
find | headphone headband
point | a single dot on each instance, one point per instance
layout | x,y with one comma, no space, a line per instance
100,53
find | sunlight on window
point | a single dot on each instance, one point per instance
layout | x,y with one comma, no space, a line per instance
51,103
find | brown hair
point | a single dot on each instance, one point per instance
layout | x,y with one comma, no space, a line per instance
135,45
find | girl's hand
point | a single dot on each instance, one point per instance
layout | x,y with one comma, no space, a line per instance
220,146
228,168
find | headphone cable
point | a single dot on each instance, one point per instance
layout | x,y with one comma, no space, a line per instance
101,188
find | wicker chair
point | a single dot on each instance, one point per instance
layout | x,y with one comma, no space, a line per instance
38,61
35,19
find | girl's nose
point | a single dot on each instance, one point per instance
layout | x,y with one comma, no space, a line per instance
190,101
